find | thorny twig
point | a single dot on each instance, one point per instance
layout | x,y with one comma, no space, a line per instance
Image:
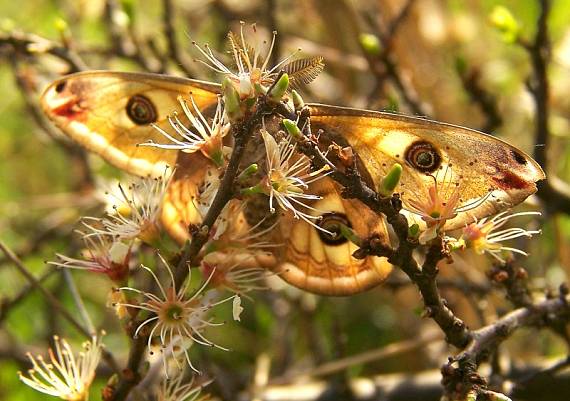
174,51
54,302
242,132
482,98
384,66
555,199
424,276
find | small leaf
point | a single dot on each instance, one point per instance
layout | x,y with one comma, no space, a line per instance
304,70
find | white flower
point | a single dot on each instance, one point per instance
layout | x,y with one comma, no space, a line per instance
253,74
102,254
200,136
288,178
483,236
137,210
441,203
64,375
175,315
174,389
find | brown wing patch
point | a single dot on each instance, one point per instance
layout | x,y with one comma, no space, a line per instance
483,166
310,263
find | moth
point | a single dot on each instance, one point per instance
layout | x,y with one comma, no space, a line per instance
109,114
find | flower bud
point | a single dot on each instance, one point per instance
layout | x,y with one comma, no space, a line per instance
279,88
502,19
292,129
298,102
231,100
414,231
349,234
391,180
370,43
248,172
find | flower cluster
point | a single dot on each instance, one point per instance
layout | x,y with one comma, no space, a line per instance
200,135
253,75
64,375
176,318
136,210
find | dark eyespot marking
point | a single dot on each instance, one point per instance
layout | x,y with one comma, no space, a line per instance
423,156
520,159
60,86
331,222
141,110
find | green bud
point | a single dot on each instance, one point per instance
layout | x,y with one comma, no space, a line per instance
7,25
292,128
502,19
350,235
393,104
248,172
231,100
298,102
61,25
252,190
370,43
259,89
414,231
278,90
391,180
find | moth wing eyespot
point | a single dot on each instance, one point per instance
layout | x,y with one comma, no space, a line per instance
141,110
60,87
331,222
423,156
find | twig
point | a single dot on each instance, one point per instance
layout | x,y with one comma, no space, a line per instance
486,102
77,154
556,198
359,359
424,277
174,51
55,303
242,132
460,373
78,301
32,45
383,65
125,46
8,304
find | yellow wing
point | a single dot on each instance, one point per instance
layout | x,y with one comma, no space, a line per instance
314,261
109,114
484,167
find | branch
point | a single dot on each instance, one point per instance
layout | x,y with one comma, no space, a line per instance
242,132
174,52
417,386
424,277
555,196
486,102
32,45
54,302
460,374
